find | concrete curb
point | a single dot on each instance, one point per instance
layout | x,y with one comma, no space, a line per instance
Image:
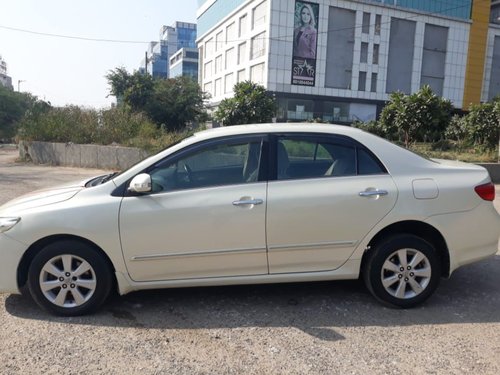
82,156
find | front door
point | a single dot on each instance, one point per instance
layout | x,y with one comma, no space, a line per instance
205,217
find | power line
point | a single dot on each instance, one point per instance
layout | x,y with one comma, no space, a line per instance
102,40
285,38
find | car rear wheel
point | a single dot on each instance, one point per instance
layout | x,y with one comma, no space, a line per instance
69,278
402,271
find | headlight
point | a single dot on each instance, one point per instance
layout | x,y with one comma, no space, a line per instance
8,222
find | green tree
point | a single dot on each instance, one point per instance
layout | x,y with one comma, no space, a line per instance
251,104
13,106
176,103
119,82
170,103
134,90
421,116
482,124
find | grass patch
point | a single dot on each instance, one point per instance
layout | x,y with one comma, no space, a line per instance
451,151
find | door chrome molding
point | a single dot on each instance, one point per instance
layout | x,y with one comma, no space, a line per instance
311,246
199,254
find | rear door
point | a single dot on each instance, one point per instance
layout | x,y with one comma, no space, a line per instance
327,193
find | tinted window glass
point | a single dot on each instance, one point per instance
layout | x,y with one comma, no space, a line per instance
300,158
215,165
367,164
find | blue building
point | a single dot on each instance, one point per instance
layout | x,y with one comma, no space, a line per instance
184,63
172,38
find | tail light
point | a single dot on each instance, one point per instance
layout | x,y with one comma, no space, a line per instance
486,191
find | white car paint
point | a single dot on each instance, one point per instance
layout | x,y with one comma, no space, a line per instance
302,230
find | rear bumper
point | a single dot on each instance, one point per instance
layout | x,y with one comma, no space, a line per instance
471,236
11,253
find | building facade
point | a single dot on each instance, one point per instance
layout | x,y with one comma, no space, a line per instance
5,80
172,38
184,63
339,60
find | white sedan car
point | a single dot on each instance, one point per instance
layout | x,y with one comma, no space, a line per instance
248,205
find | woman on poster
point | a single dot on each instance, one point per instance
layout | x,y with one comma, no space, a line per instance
304,40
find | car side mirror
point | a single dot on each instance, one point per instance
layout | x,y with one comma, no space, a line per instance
140,183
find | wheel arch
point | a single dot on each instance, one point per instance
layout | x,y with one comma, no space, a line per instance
419,229
22,271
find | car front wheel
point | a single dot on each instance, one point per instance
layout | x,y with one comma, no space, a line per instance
403,270
69,278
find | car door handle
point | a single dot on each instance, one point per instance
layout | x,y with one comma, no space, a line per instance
371,193
245,202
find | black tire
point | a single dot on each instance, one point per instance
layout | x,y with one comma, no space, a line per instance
79,293
403,288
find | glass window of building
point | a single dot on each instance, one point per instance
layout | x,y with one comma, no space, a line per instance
258,46
373,87
231,32
242,48
242,26
218,64
378,24
259,15
495,13
362,81
242,76
209,47
376,49
218,87
219,40
228,83
336,111
207,72
208,88
366,23
257,73
298,109
229,58
364,52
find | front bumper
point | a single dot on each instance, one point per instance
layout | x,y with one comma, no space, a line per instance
11,253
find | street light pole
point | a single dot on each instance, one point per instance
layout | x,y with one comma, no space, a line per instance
19,84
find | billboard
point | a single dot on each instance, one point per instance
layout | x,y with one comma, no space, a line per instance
305,42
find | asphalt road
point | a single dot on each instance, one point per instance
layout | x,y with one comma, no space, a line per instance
313,328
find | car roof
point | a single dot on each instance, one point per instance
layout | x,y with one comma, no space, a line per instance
275,128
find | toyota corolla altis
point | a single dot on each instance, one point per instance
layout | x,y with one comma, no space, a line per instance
248,205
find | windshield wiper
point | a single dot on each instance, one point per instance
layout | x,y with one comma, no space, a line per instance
108,177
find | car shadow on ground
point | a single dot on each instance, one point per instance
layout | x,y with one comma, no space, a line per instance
471,295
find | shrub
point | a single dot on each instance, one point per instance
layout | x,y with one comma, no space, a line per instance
373,127
457,130
68,124
482,124
113,126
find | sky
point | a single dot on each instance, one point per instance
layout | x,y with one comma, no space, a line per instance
70,71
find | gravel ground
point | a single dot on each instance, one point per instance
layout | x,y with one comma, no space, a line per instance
313,328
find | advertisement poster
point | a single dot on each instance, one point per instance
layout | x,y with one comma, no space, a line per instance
305,41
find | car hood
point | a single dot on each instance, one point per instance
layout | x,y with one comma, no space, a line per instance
42,198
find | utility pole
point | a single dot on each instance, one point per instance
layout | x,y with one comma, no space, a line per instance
146,62
19,84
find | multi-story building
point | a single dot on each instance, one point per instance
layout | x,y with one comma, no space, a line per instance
172,38
5,80
184,63
339,60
